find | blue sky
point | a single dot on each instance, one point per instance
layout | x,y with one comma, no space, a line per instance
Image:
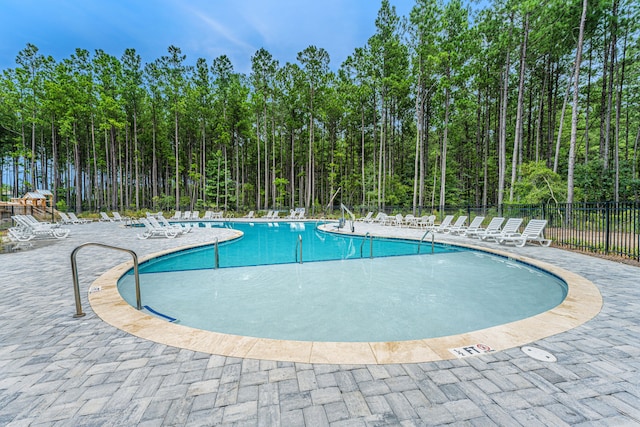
201,28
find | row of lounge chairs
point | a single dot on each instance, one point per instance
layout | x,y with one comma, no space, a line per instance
399,220
156,225
509,233
71,218
28,228
104,217
298,214
195,215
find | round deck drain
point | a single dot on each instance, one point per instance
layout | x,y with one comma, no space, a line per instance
539,354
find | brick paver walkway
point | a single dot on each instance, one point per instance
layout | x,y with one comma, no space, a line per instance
60,371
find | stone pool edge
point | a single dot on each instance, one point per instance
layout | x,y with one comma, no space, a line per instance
583,302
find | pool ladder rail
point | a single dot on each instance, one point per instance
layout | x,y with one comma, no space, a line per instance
432,240
76,283
370,244
298,245
370,237
216,254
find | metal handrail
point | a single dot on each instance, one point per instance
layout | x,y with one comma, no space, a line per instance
432,240
370,244
76,284
216,254
299,243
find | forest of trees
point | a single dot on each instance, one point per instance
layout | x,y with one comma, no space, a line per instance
441,107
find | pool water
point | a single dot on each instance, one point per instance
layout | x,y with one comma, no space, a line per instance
349,299
279,243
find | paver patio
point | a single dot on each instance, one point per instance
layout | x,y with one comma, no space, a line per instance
63,371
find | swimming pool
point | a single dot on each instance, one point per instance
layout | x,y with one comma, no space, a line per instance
347,297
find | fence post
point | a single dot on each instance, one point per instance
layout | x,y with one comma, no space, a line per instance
607,220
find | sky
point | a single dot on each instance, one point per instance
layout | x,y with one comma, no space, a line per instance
200,28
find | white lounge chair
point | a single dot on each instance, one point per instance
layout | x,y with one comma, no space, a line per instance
474,225
426,221
208,215
512,226
397,220
493,227
298,213
29,228
366,218
249,215
459,223
186,215
156,231
105,218
533,232
275,215
65,219
446,222
410,220
177,215
163,222
77,220
120,218
378,218
195,215
386,219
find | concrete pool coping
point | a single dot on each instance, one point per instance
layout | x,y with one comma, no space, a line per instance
583,302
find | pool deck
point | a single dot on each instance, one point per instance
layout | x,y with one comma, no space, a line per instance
64,371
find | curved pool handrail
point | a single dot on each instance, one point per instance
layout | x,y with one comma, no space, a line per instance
364,239
432,240
74,273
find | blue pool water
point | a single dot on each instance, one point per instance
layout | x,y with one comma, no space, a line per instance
279,243
346,297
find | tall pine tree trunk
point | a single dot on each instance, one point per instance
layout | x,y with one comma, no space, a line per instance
574,116
518,137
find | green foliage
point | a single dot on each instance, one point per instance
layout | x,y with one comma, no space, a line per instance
598,184
61,205
539,184
209,133
164,202
281,185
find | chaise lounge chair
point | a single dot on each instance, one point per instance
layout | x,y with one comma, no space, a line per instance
456,225
151,230
446,222
119,218
512,226
475,225
64,218
533,232
162,222
366,218
105,218
77,220
29,228
426,221
493,227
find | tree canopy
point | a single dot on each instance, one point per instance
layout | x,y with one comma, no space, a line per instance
438,108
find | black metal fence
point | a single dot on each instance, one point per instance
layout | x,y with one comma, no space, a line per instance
605,228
